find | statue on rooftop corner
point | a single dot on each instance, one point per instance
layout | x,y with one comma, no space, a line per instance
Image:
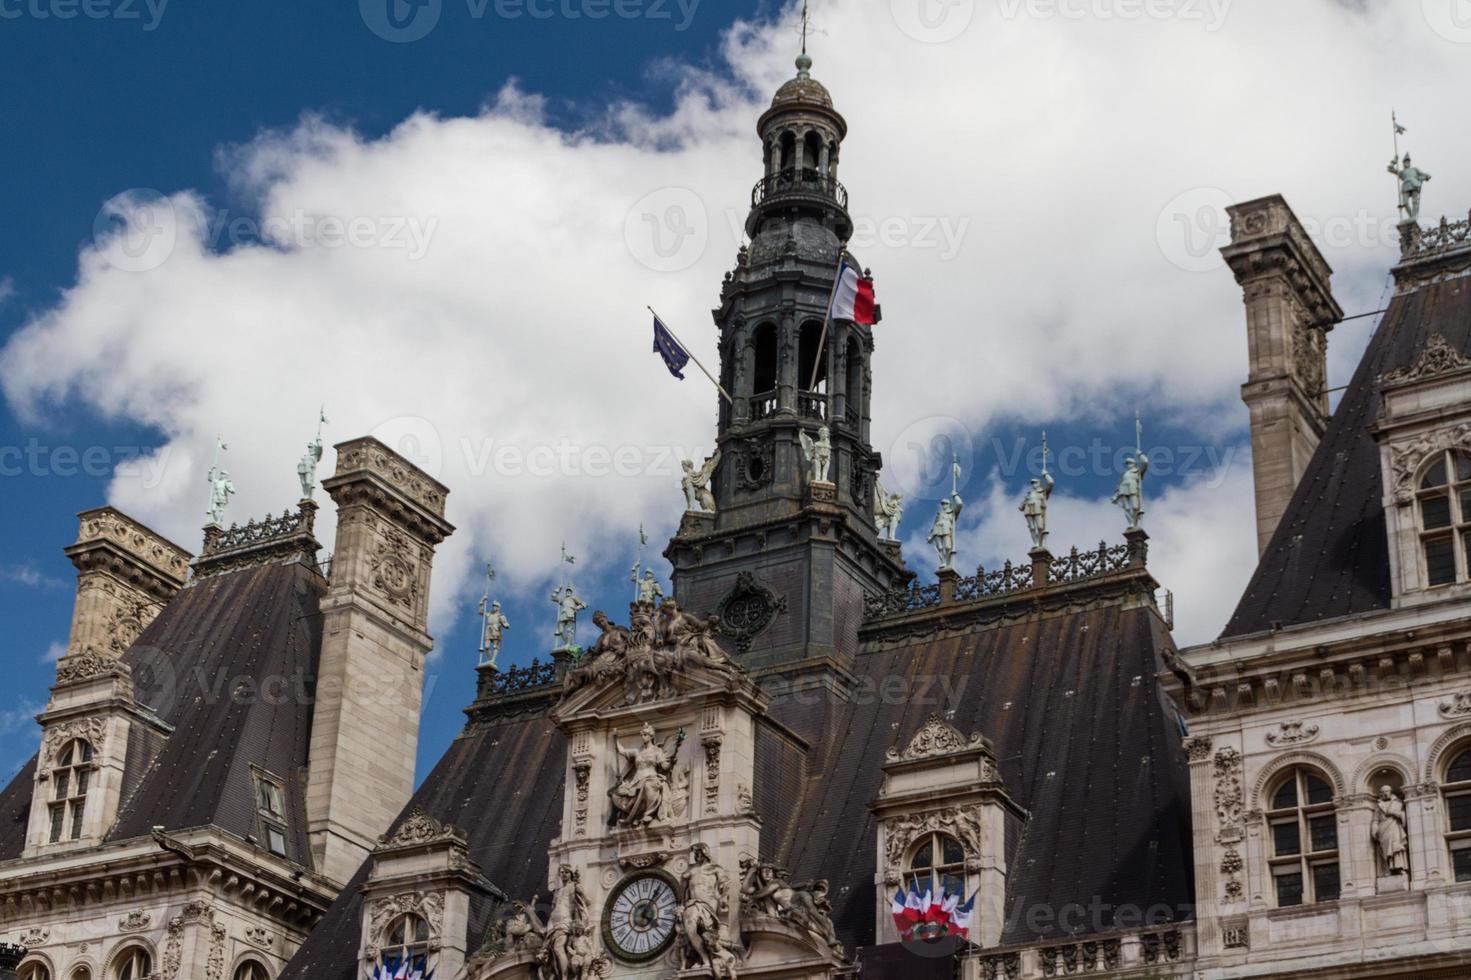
491,634
1034,504
819,454
1389,835
646,793
1130,494
1412,181
220,492
888,511
649,589
568,604
698,497
942,533
306,470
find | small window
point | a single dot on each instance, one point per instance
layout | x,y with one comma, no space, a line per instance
1304,836
1444,507
270,795
134,964
407,945
1457,792
71,780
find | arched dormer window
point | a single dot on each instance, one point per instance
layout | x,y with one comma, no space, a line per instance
407,941
937,864
251,970
1303,839
1456,789
1443,506
132,964
70,781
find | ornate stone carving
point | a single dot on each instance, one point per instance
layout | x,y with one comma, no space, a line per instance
703,933
581,773
429,907
1230,800
420,828
712,774
649,790
1198,748
1458,706
35,937
258,936
936,737
658,647
135,922
747,610
173,952
900,833
394,571
368,454
1292,733
755,464
214,967
86,665
1437,357
1236,934
91,730
1406,460
767,891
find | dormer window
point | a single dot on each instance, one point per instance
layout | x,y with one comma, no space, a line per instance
270,796
1444,507
71,779
939,866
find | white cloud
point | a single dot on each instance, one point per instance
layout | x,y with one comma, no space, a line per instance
7,289
53,653
30,577
1057,145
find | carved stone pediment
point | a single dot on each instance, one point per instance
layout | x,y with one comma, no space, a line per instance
1437,357
935,738
86,665
420,828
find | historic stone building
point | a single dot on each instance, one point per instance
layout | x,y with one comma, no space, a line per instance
226,740
738,781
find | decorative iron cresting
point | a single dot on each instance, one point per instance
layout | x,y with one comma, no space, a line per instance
1448,236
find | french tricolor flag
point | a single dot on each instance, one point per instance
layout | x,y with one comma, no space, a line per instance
917,905
854,297
961,918
899,908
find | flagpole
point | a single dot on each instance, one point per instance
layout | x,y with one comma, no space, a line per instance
827,320
718,386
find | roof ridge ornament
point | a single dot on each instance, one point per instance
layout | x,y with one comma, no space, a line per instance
1437,357
936,737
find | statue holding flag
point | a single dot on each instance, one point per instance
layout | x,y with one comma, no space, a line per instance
1034,504
221,489
1412,179
942,534
494,626
306,470
1130,494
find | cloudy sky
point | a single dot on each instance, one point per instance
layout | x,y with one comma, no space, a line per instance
445,226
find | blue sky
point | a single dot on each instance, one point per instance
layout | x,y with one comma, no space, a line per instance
1021,196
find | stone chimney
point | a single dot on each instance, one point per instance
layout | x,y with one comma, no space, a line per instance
1290,308
125,575
365,728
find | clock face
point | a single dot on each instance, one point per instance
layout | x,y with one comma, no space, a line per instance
639,921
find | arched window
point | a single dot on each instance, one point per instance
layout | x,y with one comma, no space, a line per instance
133,964
251,970
81,973
407,941
1457,790
70,781
788,151
34,970
813,155
1304,839
854,389
1445,518
764,345
938,865
812,353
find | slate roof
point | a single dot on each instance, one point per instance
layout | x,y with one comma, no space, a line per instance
1329,556
1085,739
200,666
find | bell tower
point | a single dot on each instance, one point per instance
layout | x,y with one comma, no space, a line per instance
785,560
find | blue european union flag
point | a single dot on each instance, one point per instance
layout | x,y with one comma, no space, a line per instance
675,356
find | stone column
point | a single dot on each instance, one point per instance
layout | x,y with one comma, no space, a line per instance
1425,824
789,344
1203,820
1356,852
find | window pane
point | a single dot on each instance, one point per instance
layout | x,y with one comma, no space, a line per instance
1318,791
1324,832
1435,512
1462,861
396,937
421,931
63,784
84,753
58,816
1325,882
1440,561
1286,839
925,856
1289,889
1286,797
1435,476
84,779
1463,467
1460,770
1459,808
954,853
276,841
79,810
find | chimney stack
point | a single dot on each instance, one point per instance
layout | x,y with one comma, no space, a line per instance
126,573
370,683
1286,285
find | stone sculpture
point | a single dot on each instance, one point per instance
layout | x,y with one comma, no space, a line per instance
1130,494
492,631
1034,508
888,511
649,589
766,891
819,455
1412,181
645,794
220,491
306,470
942,534
1391,839
698,497
568,604
703,931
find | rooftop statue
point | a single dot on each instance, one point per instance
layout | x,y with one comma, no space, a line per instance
1412,181
698,497
646,794
942,533
819,454
659,645
220,492
1034,504
888,511
569,604
492,632
1130,494
649,589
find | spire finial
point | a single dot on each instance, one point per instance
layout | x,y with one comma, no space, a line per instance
804,60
